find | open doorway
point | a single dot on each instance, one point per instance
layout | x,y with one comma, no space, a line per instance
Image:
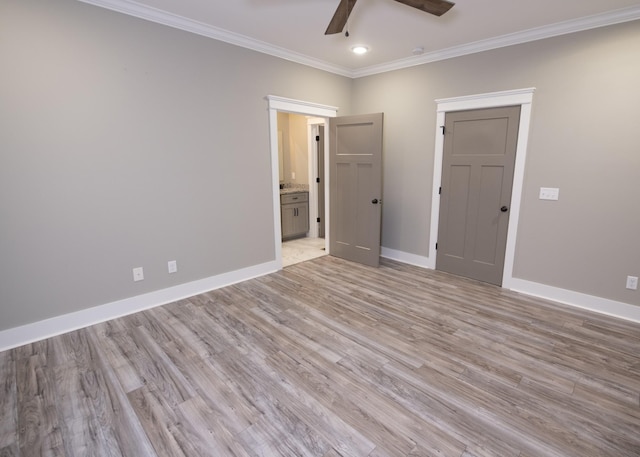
316,118
301,186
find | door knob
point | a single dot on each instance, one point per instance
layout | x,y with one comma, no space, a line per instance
504,209
374,201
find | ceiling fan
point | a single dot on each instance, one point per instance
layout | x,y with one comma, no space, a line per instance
339,20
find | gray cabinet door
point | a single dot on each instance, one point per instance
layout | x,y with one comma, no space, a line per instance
287,213
301,219
294,214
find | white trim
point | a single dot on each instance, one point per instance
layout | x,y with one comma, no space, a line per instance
522,97
58,325
327,173
511,39
175,21
289,105
486,100
405,257
312,167
577,299
312,145
567,297
158,16
516,192
275,185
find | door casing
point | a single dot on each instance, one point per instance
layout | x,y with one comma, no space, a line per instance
318,161
315,127
289,105
522,97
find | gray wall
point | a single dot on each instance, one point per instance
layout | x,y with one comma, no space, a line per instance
125,143
584,139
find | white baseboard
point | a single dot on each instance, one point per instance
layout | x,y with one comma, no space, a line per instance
567,297
405,257
58,325
577,299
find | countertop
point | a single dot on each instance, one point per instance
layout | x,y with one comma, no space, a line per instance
293,190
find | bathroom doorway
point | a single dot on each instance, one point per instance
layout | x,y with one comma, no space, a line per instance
320,115
302,186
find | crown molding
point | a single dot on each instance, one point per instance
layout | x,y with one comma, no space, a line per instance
525,36
158,16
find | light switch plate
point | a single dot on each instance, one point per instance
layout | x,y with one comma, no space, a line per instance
549,193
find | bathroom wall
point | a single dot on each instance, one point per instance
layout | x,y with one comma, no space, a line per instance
295,148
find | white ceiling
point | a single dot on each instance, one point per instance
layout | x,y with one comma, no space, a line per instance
294,29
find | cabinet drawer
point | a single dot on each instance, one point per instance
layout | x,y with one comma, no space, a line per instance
296,197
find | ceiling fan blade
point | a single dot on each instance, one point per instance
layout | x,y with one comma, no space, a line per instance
339,19
436,7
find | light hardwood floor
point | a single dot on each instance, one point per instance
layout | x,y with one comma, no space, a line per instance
329,358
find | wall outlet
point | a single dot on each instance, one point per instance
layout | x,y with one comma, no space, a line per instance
549,193
293,175
138,274
632,282
172,266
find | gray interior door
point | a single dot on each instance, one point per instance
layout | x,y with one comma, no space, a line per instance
320,180
355,188
477,178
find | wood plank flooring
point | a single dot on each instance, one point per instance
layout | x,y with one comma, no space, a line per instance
328,358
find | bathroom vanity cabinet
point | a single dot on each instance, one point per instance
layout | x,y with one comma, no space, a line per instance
294,214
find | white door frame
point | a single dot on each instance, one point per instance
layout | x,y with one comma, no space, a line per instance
522,97
312,147
288,105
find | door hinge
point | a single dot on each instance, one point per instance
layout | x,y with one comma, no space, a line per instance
317,219
317,179
317,137
442,127
440,190
436,246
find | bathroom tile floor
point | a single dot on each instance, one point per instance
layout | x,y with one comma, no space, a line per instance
301,249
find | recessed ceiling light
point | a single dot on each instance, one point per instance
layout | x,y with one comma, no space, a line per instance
359,49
